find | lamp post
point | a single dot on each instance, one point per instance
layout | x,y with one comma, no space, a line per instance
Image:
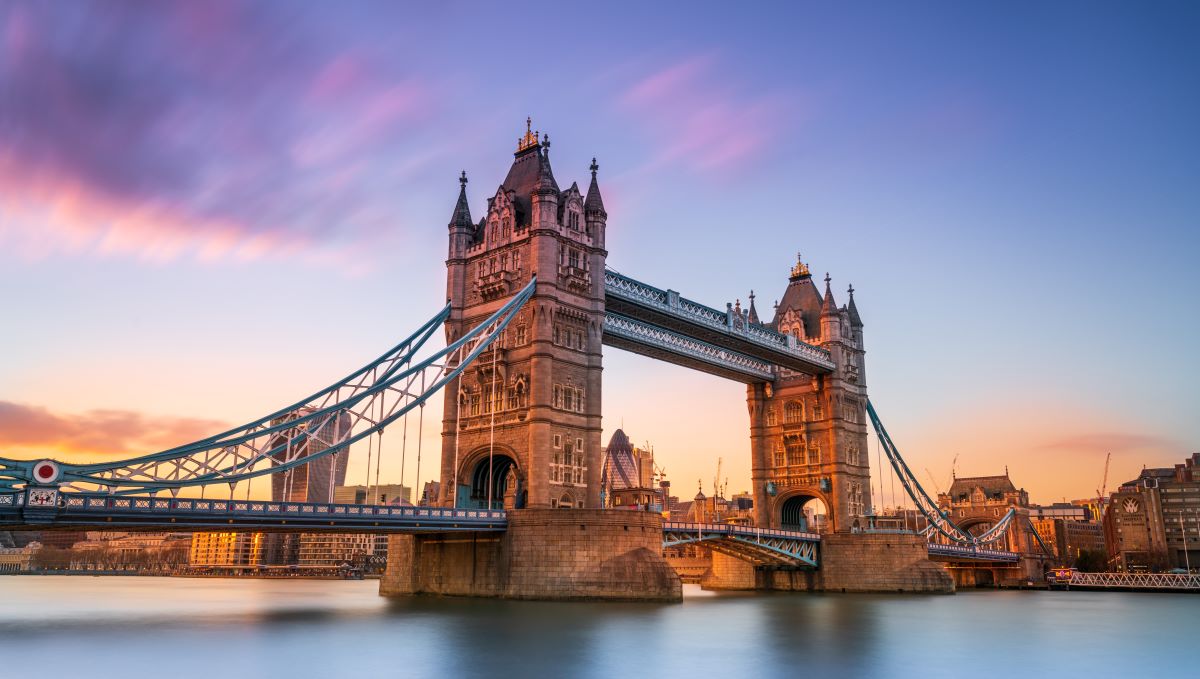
1182,529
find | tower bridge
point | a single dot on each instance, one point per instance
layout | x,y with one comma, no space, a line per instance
531,303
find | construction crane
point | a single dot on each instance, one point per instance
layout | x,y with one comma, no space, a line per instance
1103,488
932,480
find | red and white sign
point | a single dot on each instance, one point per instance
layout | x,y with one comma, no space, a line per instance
46,471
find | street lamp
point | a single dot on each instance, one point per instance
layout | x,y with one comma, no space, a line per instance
1182,529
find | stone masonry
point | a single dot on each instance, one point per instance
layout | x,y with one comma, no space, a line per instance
545,554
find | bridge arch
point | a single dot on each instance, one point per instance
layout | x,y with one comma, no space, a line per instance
789,509
500,474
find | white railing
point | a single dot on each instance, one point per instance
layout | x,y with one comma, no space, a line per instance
1178,581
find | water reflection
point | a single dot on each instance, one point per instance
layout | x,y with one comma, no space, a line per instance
269,628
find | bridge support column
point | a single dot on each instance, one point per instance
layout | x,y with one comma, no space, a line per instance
577,554
730,573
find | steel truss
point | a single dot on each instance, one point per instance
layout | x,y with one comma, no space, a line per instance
761,546
346,412
938,521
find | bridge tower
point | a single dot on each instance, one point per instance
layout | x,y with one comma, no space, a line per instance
522,426
809,432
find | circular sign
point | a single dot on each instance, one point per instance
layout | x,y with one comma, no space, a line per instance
46,471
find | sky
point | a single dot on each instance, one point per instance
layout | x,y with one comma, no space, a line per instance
210,209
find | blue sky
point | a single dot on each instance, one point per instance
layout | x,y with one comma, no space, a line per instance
1011,189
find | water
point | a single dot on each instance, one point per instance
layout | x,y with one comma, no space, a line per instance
213,628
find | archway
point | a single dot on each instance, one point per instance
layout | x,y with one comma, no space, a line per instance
495,478
803,513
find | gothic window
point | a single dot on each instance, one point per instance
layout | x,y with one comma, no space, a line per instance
569,466
519,336
795,451
573,220
854,498
793,412
556,334
817,411
814,453
573,258
504,262
558,396
770,417
474,403
516,260
558,440
568,398
852,453
780,457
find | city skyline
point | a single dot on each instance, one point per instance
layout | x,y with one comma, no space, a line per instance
1003,199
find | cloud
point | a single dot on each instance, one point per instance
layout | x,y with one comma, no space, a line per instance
697,118
1106,442
27,430
215,130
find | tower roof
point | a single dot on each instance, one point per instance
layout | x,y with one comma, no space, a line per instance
530,167
801,296
462,211
593,202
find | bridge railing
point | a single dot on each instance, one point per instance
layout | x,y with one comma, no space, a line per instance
102,503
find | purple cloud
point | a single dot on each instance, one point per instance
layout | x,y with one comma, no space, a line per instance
220,128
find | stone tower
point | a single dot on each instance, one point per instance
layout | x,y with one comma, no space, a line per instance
809,433
534,402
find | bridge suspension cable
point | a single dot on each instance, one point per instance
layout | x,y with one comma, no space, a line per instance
939,522
344,413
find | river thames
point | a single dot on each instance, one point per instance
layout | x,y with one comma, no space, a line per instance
177,627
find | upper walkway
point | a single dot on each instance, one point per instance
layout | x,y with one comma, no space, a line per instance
663,325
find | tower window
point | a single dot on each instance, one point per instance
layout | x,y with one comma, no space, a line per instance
793,412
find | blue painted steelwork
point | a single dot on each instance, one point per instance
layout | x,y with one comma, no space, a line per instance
937,519
735,365
762,546
372,398
88,510
971,553
728,329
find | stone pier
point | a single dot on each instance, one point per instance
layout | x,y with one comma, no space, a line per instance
850,562
558,554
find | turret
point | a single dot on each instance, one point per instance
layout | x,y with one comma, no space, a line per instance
593,209
831,326
461,228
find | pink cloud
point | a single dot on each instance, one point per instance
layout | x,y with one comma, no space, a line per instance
27,430
697,118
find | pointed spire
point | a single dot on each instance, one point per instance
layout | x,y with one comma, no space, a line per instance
828,307
545,180
753,318
593,202
462,211
855,319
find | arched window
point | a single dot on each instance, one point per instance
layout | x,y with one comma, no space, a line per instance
793,412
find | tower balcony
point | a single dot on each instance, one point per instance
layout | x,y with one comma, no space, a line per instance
575,278
495,284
